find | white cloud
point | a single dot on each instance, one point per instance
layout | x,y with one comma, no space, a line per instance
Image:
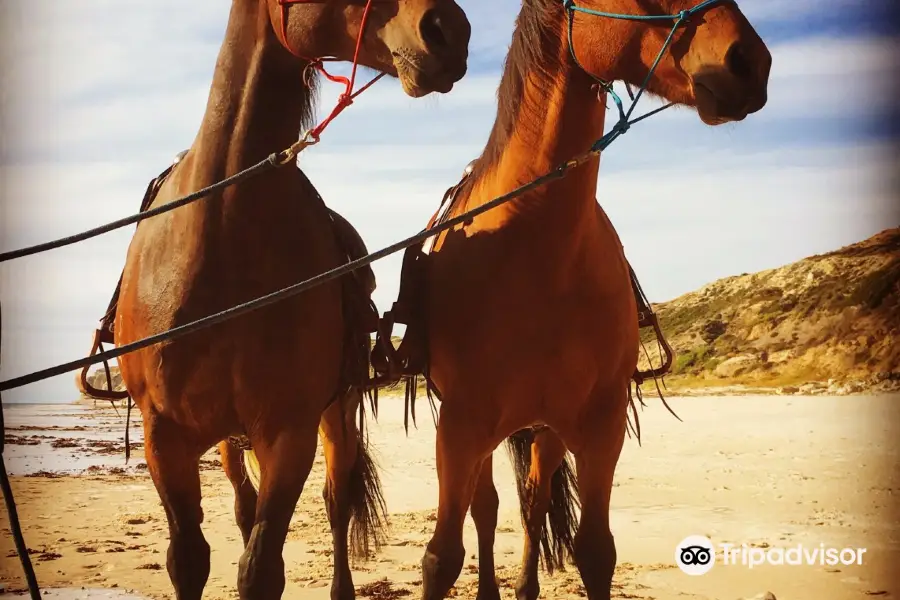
827,56
816,78
760,11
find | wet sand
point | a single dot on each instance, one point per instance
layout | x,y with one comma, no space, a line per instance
756,470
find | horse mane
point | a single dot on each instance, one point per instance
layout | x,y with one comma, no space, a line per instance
309,97
238,52
534,51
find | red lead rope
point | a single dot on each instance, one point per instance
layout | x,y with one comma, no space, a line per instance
347,97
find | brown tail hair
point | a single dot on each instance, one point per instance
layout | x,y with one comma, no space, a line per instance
558,534
368,511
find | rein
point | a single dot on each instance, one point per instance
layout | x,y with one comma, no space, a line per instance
348,96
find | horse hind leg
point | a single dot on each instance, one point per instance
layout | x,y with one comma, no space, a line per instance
484,509
547,497
244,493
285,460
174,465
352,492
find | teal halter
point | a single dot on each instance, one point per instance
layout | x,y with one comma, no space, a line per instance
623,124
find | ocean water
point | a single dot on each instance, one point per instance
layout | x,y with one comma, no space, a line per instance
69,438
77,594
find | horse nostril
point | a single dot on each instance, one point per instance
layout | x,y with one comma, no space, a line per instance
431,28
736,61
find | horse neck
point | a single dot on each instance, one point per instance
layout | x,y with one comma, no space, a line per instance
559,116
258,100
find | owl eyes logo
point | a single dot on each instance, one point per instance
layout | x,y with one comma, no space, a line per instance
695,555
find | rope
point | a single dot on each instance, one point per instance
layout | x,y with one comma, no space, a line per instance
14,525
348,96
297,288
681,16
680,19
312,136
274,160
621,126
283,158
16,528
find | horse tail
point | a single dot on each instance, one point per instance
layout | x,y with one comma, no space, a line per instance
368,511
558,534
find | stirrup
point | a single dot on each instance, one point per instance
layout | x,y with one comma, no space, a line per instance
84,386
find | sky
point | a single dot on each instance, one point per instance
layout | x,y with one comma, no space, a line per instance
123,87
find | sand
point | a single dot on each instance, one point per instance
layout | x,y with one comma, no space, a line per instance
765,471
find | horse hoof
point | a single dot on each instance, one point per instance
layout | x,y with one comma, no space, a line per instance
440,573
488,593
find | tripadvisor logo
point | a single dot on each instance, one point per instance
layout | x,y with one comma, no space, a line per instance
696,555
821,555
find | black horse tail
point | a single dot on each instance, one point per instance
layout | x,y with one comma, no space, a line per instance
558,532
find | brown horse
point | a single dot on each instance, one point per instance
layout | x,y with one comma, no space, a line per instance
527,310
267,376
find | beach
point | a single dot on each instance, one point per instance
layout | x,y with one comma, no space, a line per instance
765,472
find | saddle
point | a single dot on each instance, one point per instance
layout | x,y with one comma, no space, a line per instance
410,359
360,312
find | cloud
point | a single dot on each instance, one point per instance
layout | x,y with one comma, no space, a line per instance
766,11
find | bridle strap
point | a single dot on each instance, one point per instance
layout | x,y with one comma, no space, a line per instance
680,19
347,97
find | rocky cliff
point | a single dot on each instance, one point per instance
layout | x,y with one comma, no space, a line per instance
97,378
829,322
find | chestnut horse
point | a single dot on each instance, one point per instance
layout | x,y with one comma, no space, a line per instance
527,311
267,376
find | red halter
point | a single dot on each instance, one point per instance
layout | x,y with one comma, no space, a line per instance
347,97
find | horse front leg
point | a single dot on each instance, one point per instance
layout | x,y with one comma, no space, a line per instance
484,509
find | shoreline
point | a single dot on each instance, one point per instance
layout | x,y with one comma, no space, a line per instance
675,386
